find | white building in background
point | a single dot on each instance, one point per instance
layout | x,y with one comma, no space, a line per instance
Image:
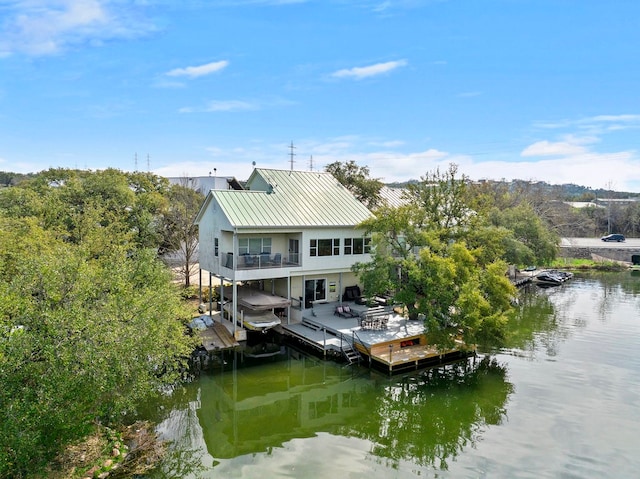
204,184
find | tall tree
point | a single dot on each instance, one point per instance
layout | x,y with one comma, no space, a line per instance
90,322
357,179
180,233
82,338
422,255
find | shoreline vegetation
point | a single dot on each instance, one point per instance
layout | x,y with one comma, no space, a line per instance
83,246
127,452
137,449
590,265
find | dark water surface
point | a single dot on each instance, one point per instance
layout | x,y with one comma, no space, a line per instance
562,401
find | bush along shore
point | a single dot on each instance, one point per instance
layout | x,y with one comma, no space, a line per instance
107,453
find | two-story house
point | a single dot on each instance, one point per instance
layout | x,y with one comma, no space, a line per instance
284,243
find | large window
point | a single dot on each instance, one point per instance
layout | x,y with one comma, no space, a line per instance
324,247
357,245
254,245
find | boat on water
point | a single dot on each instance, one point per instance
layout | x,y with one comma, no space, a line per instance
552,277
256,309
254,320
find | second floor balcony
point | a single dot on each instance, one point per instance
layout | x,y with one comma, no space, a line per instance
263,260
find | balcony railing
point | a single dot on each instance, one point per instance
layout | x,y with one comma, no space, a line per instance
266,260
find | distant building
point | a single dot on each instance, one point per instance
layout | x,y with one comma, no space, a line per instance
583,204
204,184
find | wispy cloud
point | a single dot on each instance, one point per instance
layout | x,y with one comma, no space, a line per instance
372,70
240,3
570,146
199,70
46,27
222,105
571,160
595,124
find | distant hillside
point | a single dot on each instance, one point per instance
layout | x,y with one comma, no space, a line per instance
566,192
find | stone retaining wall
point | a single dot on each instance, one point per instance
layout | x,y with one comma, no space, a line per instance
587,253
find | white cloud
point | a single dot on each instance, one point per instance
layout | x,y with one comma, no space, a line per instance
548,148
45,27
372,70
200,70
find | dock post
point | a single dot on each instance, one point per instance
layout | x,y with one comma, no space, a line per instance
390,358
324,346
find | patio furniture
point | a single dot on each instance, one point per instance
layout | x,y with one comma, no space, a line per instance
375,318
349,312
351,293
249,261
277,259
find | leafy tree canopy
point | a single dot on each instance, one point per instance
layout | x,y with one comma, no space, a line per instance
430,255
357,180
90,321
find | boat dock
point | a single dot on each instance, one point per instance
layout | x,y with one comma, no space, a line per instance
395,345
216,336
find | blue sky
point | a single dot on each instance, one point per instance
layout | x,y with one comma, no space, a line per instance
528,89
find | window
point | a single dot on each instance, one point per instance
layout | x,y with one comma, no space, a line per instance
254,245
215,246
357,245
324,247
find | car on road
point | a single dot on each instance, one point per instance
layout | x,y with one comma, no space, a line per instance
613,237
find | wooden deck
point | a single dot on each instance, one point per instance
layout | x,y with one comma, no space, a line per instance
399,346
218,337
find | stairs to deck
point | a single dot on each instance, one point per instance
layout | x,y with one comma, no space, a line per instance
350,354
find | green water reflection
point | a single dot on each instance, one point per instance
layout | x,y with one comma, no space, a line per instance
427,418
249,414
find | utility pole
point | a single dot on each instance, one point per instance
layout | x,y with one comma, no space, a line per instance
292,154
311,163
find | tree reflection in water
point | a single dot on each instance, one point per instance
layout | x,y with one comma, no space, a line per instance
426,418
429,418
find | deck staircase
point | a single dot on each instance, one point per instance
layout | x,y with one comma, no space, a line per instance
351,355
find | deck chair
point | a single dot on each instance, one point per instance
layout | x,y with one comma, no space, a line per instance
349,313
277,259
340,312
249,261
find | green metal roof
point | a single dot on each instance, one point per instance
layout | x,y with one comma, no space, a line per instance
291,199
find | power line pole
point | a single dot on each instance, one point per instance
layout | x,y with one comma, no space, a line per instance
292,154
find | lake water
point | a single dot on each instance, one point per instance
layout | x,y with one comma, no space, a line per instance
562,401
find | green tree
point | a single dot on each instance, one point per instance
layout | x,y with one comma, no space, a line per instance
531,241
518,218
357,179
84,204
90,321
423,255
180,233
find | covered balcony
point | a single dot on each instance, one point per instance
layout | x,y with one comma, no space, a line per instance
248,261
